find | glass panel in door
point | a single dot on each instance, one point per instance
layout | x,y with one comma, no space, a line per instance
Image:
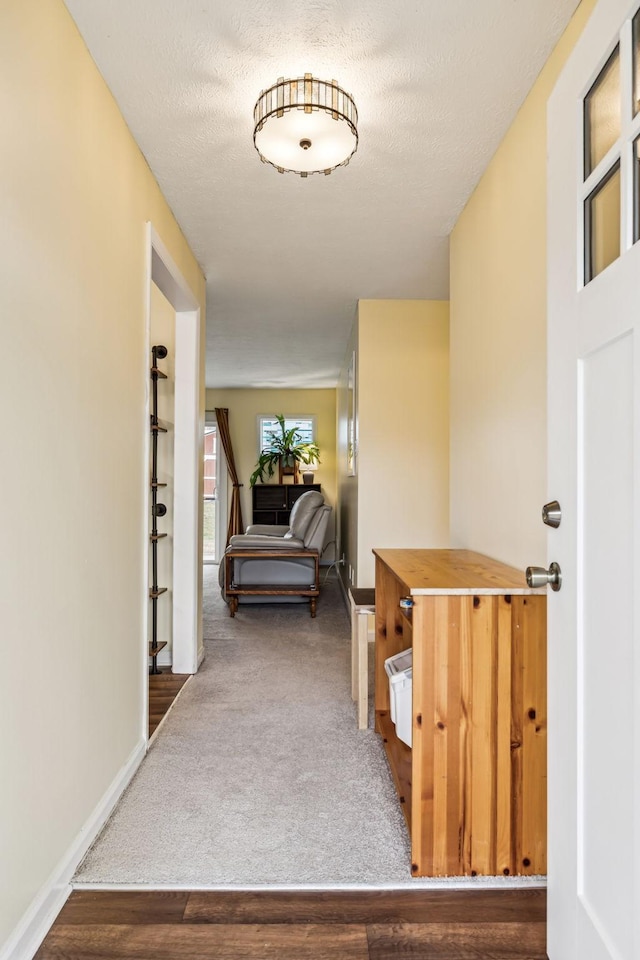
602,225
602,114
636,63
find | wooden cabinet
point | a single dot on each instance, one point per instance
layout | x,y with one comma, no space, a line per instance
473,784
272,502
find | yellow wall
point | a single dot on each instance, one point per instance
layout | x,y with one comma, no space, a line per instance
498,339
403,428
75,195
246,405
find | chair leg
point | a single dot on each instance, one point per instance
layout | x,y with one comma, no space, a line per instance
312,604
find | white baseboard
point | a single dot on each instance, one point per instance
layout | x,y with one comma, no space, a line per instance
45,907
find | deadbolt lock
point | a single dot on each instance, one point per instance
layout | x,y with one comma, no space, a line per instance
552,514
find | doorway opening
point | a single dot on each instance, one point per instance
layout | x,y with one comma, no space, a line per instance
174,317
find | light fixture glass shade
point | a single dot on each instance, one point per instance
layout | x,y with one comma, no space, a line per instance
305,126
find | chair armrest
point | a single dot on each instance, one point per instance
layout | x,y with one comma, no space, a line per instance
244,541
266,530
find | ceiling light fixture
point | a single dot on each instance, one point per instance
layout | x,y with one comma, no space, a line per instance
305,126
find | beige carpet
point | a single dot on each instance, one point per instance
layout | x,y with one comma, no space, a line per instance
259,775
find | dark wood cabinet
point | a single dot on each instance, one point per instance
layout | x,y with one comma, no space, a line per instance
272,502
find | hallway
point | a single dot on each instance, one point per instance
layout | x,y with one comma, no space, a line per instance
259,775
318,871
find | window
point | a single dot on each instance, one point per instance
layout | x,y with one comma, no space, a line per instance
210,493
610,190
602,131
636,190
306,427
602,224
602,114
210,461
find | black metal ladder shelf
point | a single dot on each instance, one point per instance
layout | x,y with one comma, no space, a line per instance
157,509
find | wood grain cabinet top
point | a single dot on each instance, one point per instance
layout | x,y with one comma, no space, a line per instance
459,572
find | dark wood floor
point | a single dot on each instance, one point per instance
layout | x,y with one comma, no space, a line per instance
163,689
347,925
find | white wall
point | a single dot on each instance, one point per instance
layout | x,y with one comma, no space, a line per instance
76,195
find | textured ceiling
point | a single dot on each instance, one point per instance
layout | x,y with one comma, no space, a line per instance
436,83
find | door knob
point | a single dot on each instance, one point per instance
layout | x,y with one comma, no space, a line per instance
539,577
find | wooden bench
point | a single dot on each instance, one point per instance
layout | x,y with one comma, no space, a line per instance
235,590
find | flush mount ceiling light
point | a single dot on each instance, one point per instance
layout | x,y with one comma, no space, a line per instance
305,126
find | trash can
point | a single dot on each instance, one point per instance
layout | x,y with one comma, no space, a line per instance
399,669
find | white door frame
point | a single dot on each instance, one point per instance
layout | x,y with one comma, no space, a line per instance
187,532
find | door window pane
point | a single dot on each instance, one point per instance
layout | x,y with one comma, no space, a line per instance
602,114
636,63
636,190
602,225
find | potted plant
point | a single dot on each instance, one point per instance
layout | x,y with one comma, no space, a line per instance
286,451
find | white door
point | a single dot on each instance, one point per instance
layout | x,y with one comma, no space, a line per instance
594,419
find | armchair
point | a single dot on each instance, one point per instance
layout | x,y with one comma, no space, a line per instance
277,564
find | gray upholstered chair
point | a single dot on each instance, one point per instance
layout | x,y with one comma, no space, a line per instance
307,530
